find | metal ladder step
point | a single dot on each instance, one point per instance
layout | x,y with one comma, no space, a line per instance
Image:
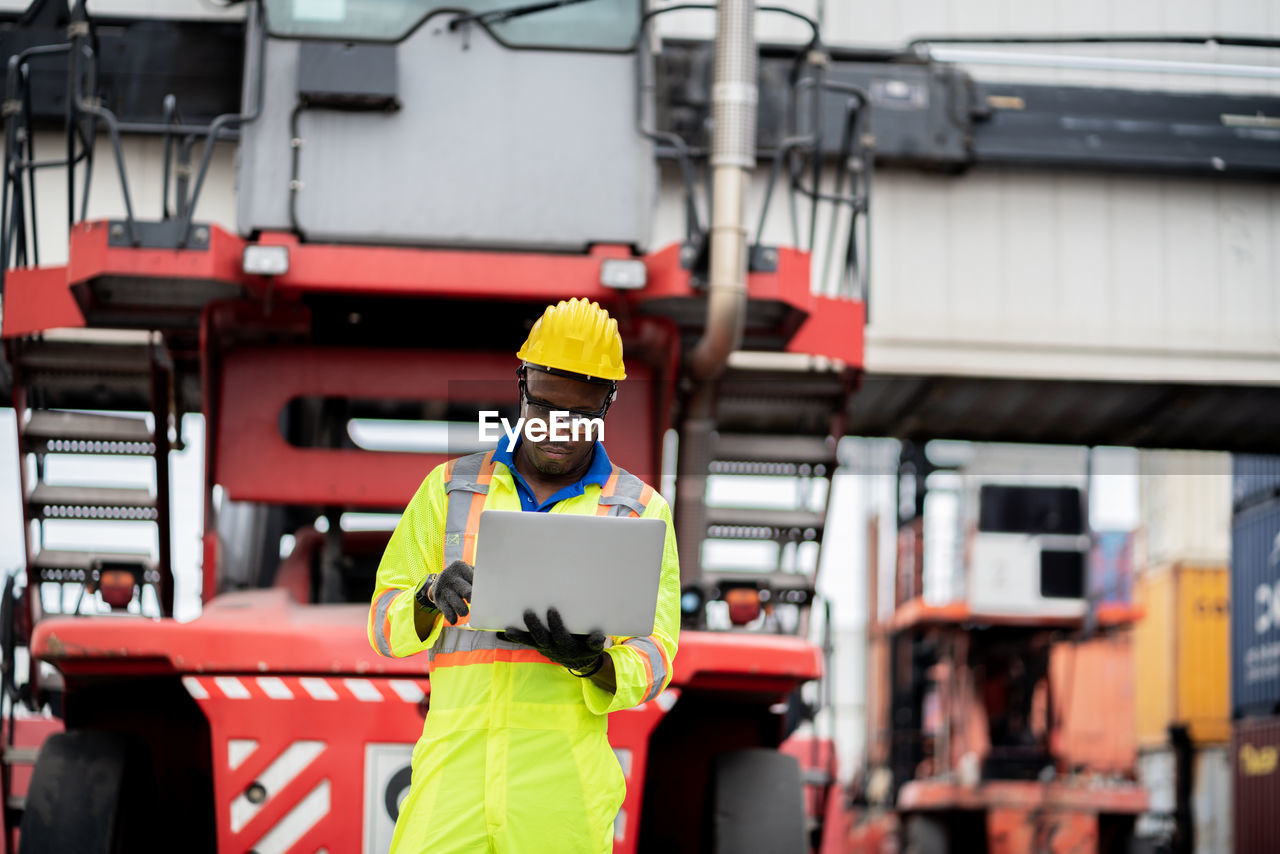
778,580
64,565
20,755
86,374
799,450
76,356
81,433
92,502
742,523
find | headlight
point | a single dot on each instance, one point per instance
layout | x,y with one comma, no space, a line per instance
265,260
623,273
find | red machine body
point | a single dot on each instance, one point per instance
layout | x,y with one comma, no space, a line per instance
270,674
268,722
294,698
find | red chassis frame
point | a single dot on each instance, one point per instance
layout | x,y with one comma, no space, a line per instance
263,691
36,297
331,703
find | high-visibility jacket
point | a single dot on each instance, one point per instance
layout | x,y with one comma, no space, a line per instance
514,756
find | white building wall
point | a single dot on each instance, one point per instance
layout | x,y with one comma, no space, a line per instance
1184,508
1055,274
867,23
1058,275
1010,272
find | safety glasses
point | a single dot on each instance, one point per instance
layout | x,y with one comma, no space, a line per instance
544,408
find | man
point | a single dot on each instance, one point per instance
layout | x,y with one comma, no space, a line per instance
514,755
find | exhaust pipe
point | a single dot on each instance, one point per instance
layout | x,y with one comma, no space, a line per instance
733,154
734,94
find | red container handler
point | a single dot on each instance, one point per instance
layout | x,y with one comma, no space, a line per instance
1255,750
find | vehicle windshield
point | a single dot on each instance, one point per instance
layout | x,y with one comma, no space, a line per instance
594,25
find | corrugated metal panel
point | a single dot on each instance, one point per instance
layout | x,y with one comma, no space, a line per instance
1158,774
1006,273
1211,800
1181,654
1009,272
1254,478
1184,507
1255,624
1202,669
1255,749
1092,683
1210,796
1153,651
864,22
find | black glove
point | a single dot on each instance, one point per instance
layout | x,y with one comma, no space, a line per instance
576,652
449,592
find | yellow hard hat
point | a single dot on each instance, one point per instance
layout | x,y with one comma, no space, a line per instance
577,336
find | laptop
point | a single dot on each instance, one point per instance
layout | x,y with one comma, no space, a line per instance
602,572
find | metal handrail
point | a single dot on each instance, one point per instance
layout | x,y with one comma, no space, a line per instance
17,112
82,73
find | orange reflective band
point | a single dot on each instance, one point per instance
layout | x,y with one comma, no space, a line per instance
645,495
666,657
477,507
473,525
383,632
373,612
490,656
608,489
486,471
648,668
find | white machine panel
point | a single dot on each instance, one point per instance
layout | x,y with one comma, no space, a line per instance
386,783
1005,577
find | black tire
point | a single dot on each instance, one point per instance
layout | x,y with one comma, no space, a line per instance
926,835
8,639
88,795
756,804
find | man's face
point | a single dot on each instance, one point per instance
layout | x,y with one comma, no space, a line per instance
561,457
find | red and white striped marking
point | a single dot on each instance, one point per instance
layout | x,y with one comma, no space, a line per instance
285,766
322,688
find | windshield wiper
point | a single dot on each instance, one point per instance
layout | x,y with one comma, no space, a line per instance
497,16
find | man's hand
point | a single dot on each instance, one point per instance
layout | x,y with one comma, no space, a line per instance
576,652
449,592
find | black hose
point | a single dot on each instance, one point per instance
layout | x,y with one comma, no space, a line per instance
1231,41
31,155
683,152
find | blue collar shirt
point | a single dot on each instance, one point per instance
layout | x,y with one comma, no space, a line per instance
598,473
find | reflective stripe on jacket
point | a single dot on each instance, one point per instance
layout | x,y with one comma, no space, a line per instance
514,754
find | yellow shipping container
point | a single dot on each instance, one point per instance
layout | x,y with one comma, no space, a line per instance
1181,653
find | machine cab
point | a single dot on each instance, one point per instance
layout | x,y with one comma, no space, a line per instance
412,122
